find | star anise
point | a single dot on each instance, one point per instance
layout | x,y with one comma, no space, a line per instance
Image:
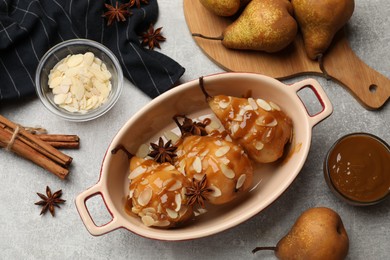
116,13
163,152
151,37
197,192
190,127
48,202
138,3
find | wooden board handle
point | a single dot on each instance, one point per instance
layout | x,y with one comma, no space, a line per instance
369,87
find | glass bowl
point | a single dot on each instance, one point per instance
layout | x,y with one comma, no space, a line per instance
72,47
357,169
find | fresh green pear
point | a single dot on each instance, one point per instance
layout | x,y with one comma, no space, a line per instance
318,234
319,21
264,25
224,7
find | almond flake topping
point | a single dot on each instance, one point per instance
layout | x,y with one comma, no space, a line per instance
240,181
197,164
263,104
162,223
252,103
222,151
259,146
145,196
177,185
223,104
178,202
274,106
148,221
137,172
171,213
216,192
229,173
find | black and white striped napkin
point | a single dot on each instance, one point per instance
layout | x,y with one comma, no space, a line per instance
28,28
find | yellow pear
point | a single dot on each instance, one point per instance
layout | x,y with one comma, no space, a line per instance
223,7
264,25
319,21
318,234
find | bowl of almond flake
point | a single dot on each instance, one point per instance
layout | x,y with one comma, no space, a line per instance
79,80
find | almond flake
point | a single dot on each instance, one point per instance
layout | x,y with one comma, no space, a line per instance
213,165
240,181
259,146
144,182
222,151
198,176
216,191
234,128
148,210
263,104
214,124
143,150
273,123
229,173
137,172
197,165
148,221
178,202
169,135
223,104
162,223
171,213
274,106
199,211
145,196
74,60
252,103
177,185
224,160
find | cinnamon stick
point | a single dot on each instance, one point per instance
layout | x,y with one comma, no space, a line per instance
60,141
15,138
35,143
31,154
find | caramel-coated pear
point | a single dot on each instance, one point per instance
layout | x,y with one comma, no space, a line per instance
319,21
318,234
265,25
223,7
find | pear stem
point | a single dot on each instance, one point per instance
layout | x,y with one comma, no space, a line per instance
175,118
121,147
201,84
220,38
273,248
320,58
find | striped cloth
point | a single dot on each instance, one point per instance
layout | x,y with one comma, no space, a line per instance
28,28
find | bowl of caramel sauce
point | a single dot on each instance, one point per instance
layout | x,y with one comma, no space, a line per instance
357,169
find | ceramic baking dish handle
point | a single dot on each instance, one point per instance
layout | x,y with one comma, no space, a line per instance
327,107
87,218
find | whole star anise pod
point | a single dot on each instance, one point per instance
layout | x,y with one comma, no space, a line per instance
138,3
197,192
116,13
48,202
163,152
190,127
151,37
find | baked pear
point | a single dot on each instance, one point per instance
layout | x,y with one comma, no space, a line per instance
259,126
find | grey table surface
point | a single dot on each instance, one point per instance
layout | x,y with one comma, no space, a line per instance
27,235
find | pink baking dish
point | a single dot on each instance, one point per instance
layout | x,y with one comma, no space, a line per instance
270,180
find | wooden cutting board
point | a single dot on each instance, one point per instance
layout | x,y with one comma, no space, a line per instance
369,87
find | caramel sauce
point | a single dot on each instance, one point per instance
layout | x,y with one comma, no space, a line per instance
359,168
